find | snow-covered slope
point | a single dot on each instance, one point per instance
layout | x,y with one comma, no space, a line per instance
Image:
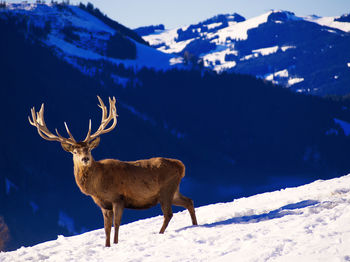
266,44
307,223
169,41
76,35
330,22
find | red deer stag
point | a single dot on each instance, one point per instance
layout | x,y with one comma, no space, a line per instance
115,185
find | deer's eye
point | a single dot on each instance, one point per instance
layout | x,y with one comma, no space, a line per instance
75,151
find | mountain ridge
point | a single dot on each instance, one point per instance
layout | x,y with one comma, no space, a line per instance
85,33
275,41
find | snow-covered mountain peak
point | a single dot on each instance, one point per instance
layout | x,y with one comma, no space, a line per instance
276,41
282,16
307,223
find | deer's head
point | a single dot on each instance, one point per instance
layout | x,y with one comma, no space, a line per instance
81,150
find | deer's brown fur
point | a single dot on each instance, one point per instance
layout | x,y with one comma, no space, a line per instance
115,185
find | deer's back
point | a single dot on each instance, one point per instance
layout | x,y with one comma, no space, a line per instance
140,182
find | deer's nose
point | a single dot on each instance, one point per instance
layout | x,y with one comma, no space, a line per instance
85,159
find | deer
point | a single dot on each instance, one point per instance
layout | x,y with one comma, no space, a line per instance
115,185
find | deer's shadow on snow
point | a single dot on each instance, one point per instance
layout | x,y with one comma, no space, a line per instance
278,213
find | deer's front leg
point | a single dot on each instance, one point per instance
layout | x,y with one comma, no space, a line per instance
118,208
108,219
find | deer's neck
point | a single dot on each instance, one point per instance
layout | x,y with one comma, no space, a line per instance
84,176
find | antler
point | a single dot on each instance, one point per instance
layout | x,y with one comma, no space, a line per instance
39,122
105,120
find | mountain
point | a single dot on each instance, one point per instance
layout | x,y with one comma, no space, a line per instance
307,223
306,54
236,134
79,34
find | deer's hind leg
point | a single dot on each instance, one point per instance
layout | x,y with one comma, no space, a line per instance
118,209
181,200
166,200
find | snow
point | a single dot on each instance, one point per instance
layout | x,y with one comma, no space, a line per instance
70,49
226,37
285,48
295,80
89,22
266,51
329,21
247,57
306,223
176,60
168,38
93,36
214,25
239,31
219,55
280,74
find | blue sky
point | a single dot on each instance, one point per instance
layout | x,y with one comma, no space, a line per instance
134,13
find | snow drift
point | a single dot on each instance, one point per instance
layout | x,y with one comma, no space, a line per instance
306,223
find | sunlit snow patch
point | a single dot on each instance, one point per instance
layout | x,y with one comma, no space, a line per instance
266,51
296,80
329,21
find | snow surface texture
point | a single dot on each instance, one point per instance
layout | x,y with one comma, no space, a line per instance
307,223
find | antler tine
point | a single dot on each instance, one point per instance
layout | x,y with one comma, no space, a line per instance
112,109
89,132
39,122
103,107
58,134
69,133
112,115
32,111
40,115
105,120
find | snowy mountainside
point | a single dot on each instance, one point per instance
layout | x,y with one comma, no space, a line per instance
77,35
255,151
306,48
306,223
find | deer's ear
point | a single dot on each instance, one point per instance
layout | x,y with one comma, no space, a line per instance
67,147
94,143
